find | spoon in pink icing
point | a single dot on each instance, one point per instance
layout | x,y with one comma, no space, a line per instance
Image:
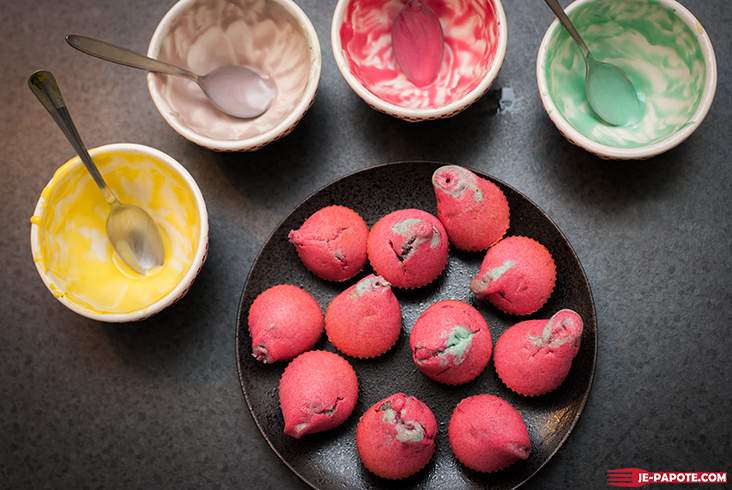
418,42
236,90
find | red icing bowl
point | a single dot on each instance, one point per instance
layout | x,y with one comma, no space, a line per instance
475,38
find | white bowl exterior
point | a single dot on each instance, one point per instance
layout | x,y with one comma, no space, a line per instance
645,152
416,115
249,144
180,290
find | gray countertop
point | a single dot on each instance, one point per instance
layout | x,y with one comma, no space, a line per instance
157,404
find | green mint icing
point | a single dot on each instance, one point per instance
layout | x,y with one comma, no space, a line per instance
466,180
364,286
494,274
477,195
547,338
409,430
404,227
458,342
649,41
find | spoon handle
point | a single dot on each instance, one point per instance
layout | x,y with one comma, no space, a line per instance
43,85
562,16
122,56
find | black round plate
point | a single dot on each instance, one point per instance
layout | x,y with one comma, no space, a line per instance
329,460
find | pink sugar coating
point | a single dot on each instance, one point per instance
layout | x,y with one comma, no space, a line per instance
395,437
517,275
332,243
284,321
318,391
534,357
487,434
451,342
365,320
409,248
474,210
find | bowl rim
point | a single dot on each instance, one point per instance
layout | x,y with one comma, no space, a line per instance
411,113
199,257
643,152
280,129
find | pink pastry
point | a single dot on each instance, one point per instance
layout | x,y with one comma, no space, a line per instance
474,210
318,391
396,436
533,357
364,320
332,243
451,342
517,275
284,321
487,434
409,248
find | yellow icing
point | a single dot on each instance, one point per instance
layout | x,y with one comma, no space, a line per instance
78,259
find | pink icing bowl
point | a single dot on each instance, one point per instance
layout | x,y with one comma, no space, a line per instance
475,35
274,36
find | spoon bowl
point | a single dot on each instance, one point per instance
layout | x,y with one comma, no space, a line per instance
240,91
609,91
418,42
135,237
131,230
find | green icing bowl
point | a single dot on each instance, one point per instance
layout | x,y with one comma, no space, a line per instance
665,52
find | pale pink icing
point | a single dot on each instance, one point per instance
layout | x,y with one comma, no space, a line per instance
471,40
250,33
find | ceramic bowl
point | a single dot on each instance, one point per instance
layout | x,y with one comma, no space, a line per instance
71,250
274,36
665,52
475,45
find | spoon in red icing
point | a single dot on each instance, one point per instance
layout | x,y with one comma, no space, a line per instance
418,42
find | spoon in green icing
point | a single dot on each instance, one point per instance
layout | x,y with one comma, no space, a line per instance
609,91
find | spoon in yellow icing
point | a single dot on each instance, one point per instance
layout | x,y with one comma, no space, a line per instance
610,92
239,91
130,229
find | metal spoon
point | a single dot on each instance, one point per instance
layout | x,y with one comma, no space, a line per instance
131,230
609,91
236,90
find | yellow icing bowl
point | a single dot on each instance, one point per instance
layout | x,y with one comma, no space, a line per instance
74,256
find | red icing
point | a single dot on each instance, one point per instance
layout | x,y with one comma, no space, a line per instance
470,44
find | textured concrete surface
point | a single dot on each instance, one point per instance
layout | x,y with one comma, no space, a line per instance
157,404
